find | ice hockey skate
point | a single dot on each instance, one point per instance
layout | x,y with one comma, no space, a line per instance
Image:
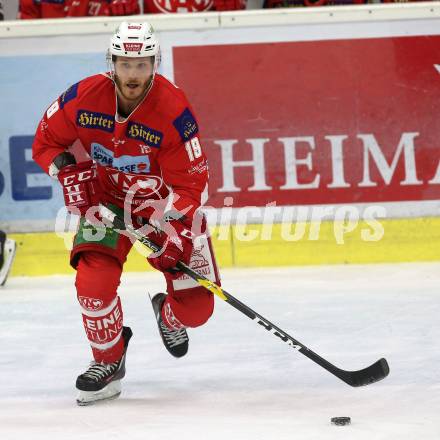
102,381
175,341
7,255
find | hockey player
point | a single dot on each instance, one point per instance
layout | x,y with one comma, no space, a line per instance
7,254
185,6
313,3
146,163
92,8
32,9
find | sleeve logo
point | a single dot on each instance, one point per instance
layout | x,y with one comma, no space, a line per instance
186,125
68,95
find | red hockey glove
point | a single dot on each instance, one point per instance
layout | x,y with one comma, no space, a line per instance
81,188
124,7
177,247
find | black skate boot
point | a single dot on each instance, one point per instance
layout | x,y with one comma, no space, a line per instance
175,341
103,381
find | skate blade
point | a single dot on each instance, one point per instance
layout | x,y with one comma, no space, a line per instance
110,392
10,249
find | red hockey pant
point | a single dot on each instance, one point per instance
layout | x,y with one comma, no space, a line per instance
97,280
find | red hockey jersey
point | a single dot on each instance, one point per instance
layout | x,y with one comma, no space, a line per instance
31,9
172,6
154,154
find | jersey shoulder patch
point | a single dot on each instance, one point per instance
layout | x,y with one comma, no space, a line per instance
69,94
186,125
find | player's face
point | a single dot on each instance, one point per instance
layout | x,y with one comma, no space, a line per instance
133,76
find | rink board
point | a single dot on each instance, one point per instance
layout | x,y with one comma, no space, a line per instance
296,107
403,240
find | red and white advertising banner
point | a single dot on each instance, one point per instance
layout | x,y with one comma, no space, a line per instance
317,122
301,113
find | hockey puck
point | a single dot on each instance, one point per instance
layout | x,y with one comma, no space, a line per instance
341,421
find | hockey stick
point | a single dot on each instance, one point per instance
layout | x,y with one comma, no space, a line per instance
375,372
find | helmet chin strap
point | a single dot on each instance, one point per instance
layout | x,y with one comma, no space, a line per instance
110,64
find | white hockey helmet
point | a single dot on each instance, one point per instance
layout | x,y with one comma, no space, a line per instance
134,40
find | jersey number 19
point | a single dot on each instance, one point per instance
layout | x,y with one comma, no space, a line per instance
193,148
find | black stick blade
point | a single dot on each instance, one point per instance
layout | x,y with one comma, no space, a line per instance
374,373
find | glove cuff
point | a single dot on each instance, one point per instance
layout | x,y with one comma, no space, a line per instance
61,161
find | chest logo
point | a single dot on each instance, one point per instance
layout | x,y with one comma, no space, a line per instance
124,163
147,135
100,121
137,186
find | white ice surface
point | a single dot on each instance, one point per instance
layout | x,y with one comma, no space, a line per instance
237,381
